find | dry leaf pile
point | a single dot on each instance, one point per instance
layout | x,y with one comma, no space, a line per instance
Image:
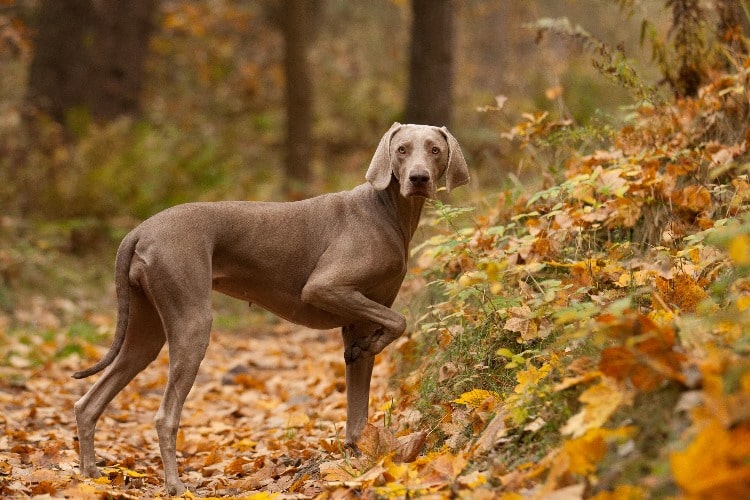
266,414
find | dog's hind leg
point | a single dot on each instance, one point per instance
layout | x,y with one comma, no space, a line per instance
188,329
144,339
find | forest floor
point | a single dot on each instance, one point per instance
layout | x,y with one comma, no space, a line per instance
266,413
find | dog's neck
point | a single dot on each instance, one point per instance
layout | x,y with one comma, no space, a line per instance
406,211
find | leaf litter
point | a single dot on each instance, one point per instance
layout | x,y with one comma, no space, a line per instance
266,414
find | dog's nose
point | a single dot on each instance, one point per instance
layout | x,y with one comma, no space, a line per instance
419,178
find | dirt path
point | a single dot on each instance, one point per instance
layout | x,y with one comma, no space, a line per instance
266,414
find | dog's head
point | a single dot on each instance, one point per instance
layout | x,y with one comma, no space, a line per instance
417,156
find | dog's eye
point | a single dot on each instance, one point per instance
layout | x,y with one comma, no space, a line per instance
401,150
435,150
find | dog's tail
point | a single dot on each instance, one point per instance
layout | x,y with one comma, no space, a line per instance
122,285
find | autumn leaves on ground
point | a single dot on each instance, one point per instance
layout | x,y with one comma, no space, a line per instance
590,339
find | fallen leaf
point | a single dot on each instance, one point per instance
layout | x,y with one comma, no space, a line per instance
410,446
725,453
475,397
488,438
377,442
600,402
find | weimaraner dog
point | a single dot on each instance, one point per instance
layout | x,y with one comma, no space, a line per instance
336,260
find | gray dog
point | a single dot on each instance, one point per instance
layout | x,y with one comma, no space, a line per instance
334,260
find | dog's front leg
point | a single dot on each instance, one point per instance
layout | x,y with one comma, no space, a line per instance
350,304
358,375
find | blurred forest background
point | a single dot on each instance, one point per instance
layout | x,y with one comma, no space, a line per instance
110,109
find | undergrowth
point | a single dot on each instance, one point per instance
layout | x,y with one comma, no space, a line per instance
604,319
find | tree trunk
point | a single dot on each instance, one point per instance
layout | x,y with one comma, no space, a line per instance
118,64
60,68
298,31
430,97
89,54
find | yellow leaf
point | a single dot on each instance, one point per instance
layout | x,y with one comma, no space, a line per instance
261,496
661,317
530,377
585,452
716,464
471,278
475,397
245,444
472,480
622,492
600,402
739,249
298,419
582,455
397,472
395,490
123,470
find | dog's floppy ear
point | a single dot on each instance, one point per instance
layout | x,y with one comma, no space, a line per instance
457,173
379,172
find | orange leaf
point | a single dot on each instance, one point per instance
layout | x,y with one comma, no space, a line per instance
617,362
693,198
442,469
648,356
377,442
716,464
410,446
236,466
622,492
627,211
585,452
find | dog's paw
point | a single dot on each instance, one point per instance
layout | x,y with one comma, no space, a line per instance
370,345
379,340
176,489
91,471
377,346
352,448
362,346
